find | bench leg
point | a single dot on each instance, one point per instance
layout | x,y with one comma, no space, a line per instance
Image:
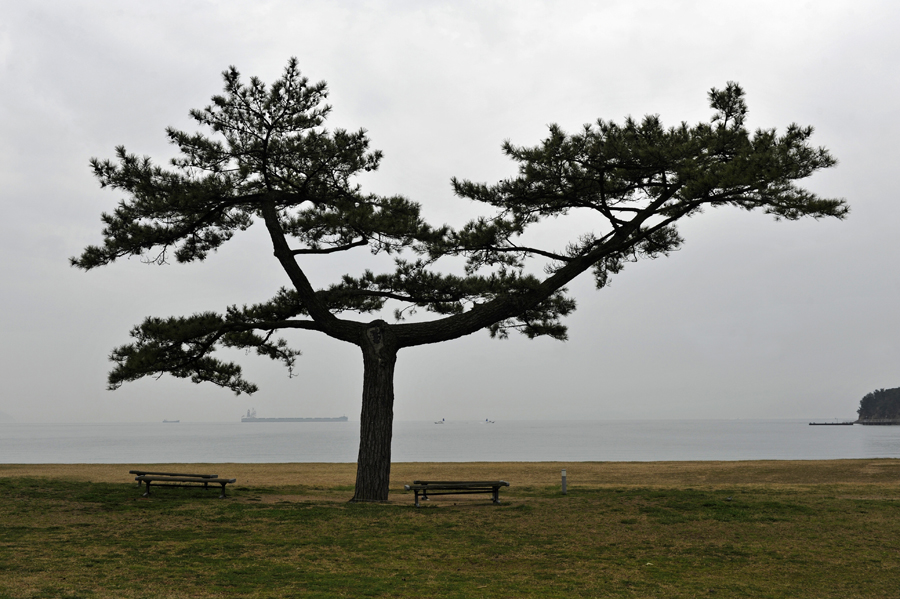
417,498
496,494
222,496
147,492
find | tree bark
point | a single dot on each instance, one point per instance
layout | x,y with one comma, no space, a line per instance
373,465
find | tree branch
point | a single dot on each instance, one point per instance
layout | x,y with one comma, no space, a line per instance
331,250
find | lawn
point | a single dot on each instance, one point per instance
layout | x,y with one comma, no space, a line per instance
702,529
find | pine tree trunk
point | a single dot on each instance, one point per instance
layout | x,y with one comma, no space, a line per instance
373,466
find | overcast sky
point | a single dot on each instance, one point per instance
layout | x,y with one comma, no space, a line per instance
751,319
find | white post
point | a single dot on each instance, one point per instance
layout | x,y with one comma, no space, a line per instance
563,482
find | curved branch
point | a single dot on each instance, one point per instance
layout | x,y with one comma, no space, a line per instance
331,250
329,323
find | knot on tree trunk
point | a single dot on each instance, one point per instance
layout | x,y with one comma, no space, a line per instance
377,337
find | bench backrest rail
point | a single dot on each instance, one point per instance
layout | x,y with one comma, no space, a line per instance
489,483
463,483
146,472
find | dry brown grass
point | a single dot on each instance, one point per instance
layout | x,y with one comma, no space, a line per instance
519,474
779,529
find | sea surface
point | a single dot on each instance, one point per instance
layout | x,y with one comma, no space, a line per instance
520,441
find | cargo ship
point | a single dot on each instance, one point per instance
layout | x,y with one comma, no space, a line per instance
251,417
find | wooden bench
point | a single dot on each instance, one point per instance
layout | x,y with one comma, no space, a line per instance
176,479
456,487
147,472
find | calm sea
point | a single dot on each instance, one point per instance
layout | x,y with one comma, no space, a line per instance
451,442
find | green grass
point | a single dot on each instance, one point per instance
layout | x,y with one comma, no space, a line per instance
62,538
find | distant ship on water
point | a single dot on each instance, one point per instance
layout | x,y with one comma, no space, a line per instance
251,417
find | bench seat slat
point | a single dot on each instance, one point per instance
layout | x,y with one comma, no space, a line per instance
462,492
186,479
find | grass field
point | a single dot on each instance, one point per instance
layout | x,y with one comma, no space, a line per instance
676,529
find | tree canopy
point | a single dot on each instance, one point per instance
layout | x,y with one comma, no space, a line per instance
881,404
265,156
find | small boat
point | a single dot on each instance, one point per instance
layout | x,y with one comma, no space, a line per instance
441,421
170,421
486,421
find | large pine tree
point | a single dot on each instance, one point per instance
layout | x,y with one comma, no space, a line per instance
265,157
